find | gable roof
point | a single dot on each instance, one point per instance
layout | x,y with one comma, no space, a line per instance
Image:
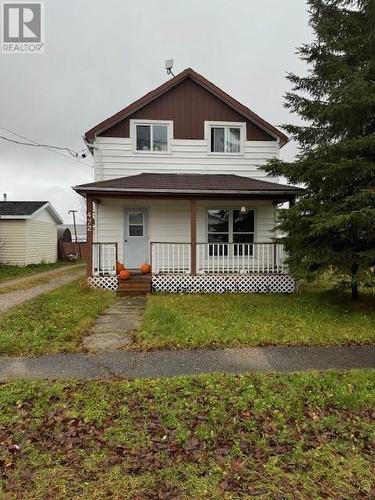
168,85
187,184
27,210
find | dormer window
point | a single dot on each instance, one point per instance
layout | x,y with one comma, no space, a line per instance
225,138
151,137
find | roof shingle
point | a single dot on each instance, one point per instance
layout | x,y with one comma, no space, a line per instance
20,208
186,183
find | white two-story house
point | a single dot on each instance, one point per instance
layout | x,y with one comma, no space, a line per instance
177,185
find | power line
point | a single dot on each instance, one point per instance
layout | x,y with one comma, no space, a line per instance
51,149
70,151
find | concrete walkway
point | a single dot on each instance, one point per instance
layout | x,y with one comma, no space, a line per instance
17,297
128,364
112,329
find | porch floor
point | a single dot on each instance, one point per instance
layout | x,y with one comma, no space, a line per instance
136,284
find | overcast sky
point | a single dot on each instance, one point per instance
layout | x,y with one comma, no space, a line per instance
102,55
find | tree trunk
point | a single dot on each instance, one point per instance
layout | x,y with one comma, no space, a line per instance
355,295
354,285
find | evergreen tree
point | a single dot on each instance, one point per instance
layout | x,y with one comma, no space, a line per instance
332,225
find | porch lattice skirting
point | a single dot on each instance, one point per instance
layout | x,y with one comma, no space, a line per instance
254,283
104,282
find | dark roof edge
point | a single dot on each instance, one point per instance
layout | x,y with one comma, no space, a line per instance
288,190
169,84
46,206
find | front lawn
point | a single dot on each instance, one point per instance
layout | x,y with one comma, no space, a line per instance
12,272
52,322
264,436
311,317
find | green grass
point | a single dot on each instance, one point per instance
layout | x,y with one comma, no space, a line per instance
265,436
52,322
311,317
12,272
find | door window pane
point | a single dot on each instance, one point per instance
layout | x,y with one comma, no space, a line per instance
217,139
135,230
218,221
243,222
136,218
143,138
135,223
233,140
160,137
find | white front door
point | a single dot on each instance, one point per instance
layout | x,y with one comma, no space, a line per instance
136,237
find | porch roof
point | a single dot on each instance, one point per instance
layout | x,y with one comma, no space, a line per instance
188,185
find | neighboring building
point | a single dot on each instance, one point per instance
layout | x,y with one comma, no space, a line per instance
63,234
80,228
28,232
177,184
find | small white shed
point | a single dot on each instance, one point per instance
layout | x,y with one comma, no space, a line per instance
28,232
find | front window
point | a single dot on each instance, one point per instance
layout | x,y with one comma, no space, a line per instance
218,231
152,137
225,139
243,231
230,226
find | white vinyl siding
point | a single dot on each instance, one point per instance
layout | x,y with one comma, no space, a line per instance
41,242
28,241
115,157
44,216
12,242
169,220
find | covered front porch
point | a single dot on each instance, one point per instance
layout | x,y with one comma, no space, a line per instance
208,258
212,239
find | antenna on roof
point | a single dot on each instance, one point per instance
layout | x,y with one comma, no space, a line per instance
169,66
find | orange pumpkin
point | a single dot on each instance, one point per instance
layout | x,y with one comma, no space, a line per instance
124,274
145,268
119,267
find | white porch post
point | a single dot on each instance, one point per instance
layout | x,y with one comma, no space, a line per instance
193,235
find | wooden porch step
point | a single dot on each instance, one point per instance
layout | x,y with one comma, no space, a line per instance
136,284
130,293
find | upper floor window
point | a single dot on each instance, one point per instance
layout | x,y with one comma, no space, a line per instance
151,137
225,138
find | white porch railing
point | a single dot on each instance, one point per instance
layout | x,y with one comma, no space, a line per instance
172,258
211,258
104,258
218,258
240,258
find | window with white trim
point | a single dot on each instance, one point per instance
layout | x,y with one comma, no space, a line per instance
231,226
151,137
225,139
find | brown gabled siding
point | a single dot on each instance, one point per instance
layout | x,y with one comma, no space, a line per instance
188,105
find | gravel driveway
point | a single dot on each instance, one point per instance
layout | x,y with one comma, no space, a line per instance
17,297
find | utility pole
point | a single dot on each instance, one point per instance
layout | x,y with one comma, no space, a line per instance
75,230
